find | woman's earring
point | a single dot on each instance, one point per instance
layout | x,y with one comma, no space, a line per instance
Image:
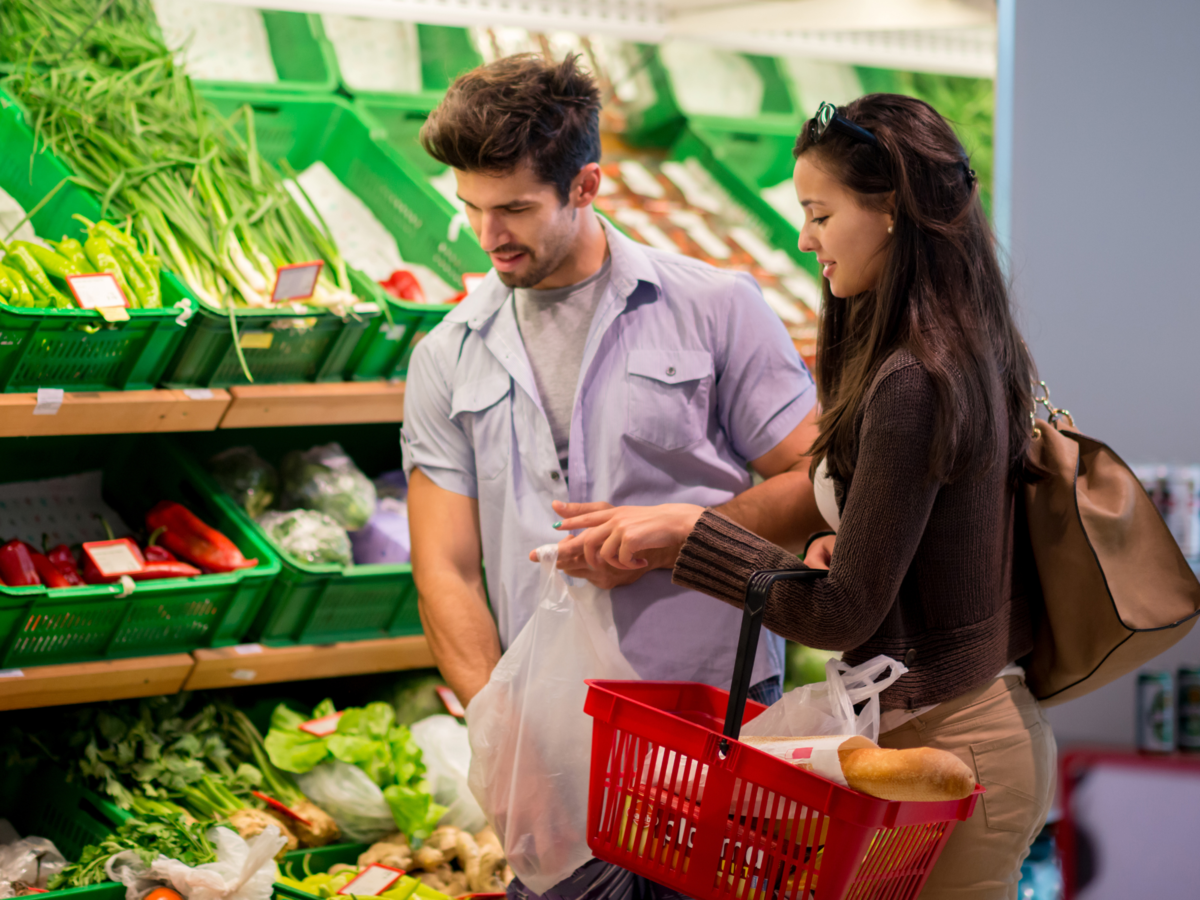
889,229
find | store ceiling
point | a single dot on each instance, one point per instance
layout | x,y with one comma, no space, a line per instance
954,36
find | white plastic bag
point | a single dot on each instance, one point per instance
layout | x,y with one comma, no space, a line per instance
446,752
244,870
348,794
827,707
31,861
531,741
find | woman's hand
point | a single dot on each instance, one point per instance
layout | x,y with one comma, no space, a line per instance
820,552
627,538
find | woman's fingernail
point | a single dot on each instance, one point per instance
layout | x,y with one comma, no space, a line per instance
557,525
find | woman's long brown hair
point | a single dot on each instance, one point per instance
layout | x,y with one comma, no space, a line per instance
942,295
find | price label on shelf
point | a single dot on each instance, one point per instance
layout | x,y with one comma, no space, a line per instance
322,727
99,291
297,281
281,808
256,340
372,881
115,558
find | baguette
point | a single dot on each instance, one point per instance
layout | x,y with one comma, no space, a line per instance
921,773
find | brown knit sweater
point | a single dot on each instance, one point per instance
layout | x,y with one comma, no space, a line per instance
937,575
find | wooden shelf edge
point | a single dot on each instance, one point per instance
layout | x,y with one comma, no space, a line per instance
326,403
114,412
117,679
254,664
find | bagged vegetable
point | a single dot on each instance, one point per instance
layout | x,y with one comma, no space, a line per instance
324,478
446,750
385,538
531,741
247,478
348,794
244,870
29,863
308,536
369,739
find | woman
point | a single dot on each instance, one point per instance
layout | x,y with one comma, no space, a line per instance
925,391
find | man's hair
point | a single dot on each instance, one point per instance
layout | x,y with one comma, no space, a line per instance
517,109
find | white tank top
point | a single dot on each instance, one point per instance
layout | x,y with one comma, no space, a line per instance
826,497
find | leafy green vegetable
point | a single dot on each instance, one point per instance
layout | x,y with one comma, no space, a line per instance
324,478
174,836
308,536
247,478
367,737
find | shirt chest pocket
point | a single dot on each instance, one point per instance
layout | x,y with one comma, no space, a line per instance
669,396
483,409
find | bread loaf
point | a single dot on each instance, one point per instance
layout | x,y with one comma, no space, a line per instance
921,773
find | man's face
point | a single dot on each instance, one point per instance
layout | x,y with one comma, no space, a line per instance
521,223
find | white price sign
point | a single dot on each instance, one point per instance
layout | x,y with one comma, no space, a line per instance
297,281
373,881
99,291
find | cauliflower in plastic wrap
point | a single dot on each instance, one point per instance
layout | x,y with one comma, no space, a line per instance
308,536
247,478
326,479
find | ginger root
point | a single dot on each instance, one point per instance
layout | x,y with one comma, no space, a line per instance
251,822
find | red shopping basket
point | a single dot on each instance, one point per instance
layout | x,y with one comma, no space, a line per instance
677,799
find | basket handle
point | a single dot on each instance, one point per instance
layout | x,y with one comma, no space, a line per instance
758,589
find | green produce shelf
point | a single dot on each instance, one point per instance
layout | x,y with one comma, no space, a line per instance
42,803
43,626
304,130
321,604
303,57
75,349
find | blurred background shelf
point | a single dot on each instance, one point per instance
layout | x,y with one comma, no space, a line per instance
114,412
339,403
239,666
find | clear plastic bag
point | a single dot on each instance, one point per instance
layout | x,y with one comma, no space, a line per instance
446,752
308,536
244,870
324,478
348,794
247,478
30,861
531,741
827,707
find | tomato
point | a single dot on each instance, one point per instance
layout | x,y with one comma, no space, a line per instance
163,894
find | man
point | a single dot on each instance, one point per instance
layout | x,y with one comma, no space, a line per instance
586,369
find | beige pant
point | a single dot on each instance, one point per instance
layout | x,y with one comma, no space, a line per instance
1000,731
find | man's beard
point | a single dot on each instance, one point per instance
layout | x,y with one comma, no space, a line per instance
539,270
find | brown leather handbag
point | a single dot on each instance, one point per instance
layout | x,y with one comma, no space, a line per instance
1117,589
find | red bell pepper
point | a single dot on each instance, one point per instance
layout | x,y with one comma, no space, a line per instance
403,285
63,559
188,537
155,553
165,569
16,565
47,572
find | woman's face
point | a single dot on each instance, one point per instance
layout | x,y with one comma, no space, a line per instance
850,240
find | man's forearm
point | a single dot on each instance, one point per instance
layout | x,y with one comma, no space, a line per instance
460,631
781,509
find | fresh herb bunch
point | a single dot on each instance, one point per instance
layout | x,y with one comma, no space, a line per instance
176,836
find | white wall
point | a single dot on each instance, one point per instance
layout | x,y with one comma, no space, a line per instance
1103,225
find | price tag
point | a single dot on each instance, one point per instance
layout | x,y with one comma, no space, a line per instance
281,808
115,558
472,280
48,401
12,673
247,649
243,674
451,702
198,393
322,727
256,340
100,291
297,281
373,880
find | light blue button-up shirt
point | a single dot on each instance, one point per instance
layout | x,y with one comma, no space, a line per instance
687,374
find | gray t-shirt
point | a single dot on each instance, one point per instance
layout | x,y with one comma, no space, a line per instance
554,326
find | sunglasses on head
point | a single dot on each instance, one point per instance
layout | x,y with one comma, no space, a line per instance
827,117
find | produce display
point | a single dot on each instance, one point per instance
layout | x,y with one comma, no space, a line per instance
179,545
318,507
106,95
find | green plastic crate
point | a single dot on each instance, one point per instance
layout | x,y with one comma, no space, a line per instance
44,804
75,349
446,52
304,58
304,130
314,860
41,626
323,604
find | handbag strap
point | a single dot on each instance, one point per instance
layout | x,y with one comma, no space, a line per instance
1041,397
